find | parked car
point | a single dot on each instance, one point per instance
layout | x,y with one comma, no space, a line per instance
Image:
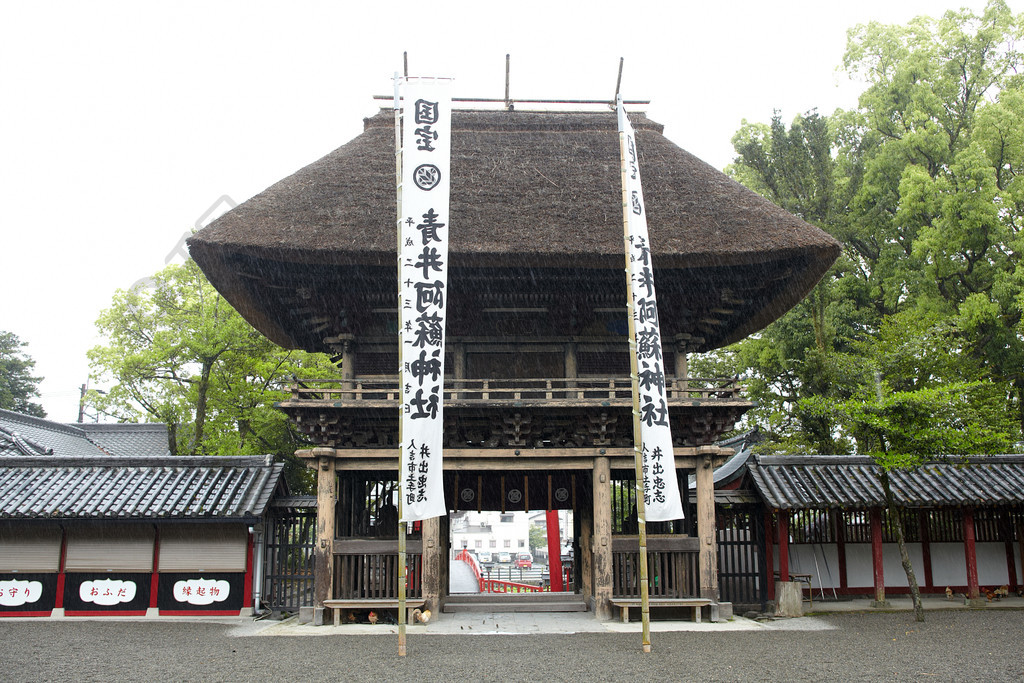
483,556
504,557
524,561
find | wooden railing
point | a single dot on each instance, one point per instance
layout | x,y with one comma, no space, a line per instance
491,390
369,569
672,567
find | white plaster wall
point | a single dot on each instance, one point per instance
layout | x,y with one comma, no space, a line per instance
820,561
949,567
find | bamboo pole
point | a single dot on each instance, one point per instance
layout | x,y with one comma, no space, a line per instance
641,513
402,577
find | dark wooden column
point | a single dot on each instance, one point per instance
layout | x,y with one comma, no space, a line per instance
926,546
326,484
876,558
770,535
840,527
602,550
970,556
708,557
1006,531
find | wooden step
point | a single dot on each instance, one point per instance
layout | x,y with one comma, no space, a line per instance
533,602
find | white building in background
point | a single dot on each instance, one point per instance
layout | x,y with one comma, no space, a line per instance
491,532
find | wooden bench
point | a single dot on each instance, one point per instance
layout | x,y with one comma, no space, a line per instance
371,603
694,603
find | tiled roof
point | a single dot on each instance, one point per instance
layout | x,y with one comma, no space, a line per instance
109,487
820,481
60,439
128,439
85,440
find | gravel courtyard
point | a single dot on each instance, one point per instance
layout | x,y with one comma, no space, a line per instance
964,645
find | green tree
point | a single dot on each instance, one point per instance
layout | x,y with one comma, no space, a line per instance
178,353
920,186
902,430
17,385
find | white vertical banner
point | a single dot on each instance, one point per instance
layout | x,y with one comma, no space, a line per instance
423,296
661,487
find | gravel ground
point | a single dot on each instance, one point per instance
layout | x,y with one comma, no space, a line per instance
949,646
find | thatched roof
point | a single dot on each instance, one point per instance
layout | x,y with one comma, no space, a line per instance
528,189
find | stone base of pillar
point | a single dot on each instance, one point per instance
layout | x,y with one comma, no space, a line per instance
976,602
789,599
306,615
880,604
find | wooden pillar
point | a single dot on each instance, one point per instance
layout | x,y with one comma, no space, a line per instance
769,554
602,548
571,364
840,522
876,557
58,603
1006,531
554,552
708,557
969,555
459,371
783,545
926,546
682,370
154,578
434,555
326,483
348,362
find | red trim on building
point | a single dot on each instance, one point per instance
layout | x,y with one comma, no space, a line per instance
199,613
783,544
926,551
247,585
970,555
154,581
106,613
769,553
25,614
840,526
59,599
554,551
876,554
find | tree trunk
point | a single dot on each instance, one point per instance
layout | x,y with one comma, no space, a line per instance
201,391
896,515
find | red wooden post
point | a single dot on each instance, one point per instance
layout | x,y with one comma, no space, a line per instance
876,555
59,601
841,548
154,580
926,546
554,552
247,585
784,545
1006,530
969,553
769,553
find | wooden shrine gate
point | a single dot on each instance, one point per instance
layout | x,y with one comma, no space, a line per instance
291,540
742,574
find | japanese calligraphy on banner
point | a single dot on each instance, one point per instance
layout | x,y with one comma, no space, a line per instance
661,487
423,273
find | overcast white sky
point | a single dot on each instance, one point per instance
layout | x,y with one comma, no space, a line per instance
122,123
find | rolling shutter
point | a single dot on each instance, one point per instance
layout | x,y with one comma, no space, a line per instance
203,547
111,547
29,548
